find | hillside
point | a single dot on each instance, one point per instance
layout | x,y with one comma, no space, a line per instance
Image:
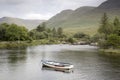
110,4
29,24
59,18
86,19
62,18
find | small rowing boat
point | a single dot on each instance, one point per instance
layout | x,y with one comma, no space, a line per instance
57,65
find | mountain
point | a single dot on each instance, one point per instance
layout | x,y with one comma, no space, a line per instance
86,19
59,18
62,17
110,4
29,24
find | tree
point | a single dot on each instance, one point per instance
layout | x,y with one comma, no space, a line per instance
110,33
41,27
32,33
113,40
3,28
48,30
24,33
117,26
40,35
54,32
71,40
60,32
14,33
97,37
80,35
116,22
106,27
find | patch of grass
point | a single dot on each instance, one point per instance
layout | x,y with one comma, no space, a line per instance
15,44
24,44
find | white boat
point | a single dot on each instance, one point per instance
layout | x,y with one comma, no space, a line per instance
57,65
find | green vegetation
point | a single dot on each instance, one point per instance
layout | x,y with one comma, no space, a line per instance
41,32
108,35
29,24
110,51
24,44
71,40
13,32
14,36
110,32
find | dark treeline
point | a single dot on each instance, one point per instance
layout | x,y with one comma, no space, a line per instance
108,35
42,32
13,32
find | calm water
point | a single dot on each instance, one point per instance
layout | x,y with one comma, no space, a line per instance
25,64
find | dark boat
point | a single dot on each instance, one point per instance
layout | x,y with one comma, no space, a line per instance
57,65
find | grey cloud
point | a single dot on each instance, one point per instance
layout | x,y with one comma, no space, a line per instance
20,8
11,2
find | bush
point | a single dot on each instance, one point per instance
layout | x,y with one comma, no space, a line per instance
80,35
71,40
113,40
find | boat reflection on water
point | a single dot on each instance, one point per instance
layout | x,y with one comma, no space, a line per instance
57,66
52,69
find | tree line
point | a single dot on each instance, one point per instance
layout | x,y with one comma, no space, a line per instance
43,32
13,32
108,35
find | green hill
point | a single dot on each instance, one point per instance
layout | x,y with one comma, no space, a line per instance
85,19
29,24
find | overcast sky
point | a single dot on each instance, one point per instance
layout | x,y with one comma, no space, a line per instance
40,9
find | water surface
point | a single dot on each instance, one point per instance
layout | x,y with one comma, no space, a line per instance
25,64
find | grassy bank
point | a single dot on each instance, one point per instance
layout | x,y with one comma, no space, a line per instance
87,30
111,51
24,44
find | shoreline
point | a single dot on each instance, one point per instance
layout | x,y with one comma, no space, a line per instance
24,44
110,51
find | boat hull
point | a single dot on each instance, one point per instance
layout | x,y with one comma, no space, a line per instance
51,64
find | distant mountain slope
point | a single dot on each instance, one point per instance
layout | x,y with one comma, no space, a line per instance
110,4
63,16
87,18
29,24
59,18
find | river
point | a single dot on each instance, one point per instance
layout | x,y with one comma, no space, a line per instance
89,64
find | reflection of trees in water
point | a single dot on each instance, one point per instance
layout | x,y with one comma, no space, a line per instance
16,56
44,53
37,51
110,66
113,60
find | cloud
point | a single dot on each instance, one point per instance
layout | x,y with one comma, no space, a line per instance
11,2
42,9
37,16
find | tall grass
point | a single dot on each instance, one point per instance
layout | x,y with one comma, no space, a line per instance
24,44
